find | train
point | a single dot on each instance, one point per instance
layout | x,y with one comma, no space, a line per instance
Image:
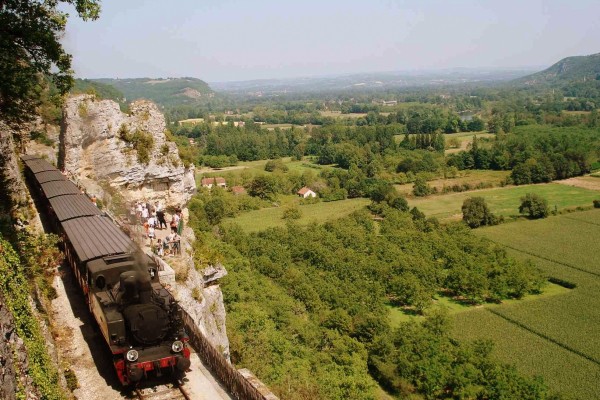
138,317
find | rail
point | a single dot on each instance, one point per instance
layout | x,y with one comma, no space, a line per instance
238,386
163,392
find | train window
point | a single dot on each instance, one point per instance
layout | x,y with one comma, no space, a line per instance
100,282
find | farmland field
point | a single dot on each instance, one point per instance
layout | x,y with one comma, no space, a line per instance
264,218
505,201
554,336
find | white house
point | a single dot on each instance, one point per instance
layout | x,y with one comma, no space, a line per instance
210,182
306,192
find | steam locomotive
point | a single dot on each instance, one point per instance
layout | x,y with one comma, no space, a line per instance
139,319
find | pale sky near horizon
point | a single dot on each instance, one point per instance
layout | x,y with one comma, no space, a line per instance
233,40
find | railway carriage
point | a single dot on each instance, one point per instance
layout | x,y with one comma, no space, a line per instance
139,319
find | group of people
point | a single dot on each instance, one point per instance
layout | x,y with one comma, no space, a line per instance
152,217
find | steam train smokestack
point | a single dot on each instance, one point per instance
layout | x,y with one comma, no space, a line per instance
129,286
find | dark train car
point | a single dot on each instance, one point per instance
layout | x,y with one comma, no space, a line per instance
139,319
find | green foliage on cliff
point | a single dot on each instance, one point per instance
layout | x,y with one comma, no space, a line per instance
36,254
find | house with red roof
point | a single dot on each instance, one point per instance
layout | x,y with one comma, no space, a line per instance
306,193
216,181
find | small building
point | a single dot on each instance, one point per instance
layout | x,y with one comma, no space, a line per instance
238,190
306,192
210,182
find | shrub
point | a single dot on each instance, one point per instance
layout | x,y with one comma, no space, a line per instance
476,213
292,212
421,188
399,203
273,165
164,149
596,203
534,206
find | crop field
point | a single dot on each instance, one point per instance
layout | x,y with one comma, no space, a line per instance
505,201
264,218
554,336
398,316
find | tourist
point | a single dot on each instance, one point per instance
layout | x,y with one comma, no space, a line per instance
174,222
160,215
160,250
145,213
176,243
152,222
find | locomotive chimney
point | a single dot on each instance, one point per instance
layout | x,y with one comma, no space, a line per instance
145,288
129,287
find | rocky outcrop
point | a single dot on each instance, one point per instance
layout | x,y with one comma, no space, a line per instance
200,295
10,176
96,144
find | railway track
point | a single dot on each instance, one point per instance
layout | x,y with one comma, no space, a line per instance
174,391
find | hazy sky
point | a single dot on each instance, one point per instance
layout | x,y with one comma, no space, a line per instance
231,40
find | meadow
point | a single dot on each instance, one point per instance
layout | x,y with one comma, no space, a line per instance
555,337
264,218
505,201
466,177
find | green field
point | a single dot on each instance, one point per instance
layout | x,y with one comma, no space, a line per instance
264,218
470,177
505,201
556,337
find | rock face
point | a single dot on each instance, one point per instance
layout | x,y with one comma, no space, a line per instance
10,176
200,295
92,146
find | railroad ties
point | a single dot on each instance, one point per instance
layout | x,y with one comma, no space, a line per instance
163,392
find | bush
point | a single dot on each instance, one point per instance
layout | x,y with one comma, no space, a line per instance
596,203
273,165
421,188
399,203
292,212
476,213
534,206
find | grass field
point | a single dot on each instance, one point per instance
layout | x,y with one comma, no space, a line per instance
556,337
505,201
258,220
398,316
471,177
256,167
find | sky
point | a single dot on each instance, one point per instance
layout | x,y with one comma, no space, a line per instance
235,40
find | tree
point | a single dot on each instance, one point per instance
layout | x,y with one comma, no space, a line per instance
30,48
263,186
215,210
421,188
534,206
476,213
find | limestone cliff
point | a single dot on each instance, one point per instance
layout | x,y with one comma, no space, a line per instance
98,143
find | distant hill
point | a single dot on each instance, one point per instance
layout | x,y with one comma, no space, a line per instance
567,70
375,81
102,90
163,91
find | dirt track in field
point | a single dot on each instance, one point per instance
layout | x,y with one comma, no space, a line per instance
585,182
